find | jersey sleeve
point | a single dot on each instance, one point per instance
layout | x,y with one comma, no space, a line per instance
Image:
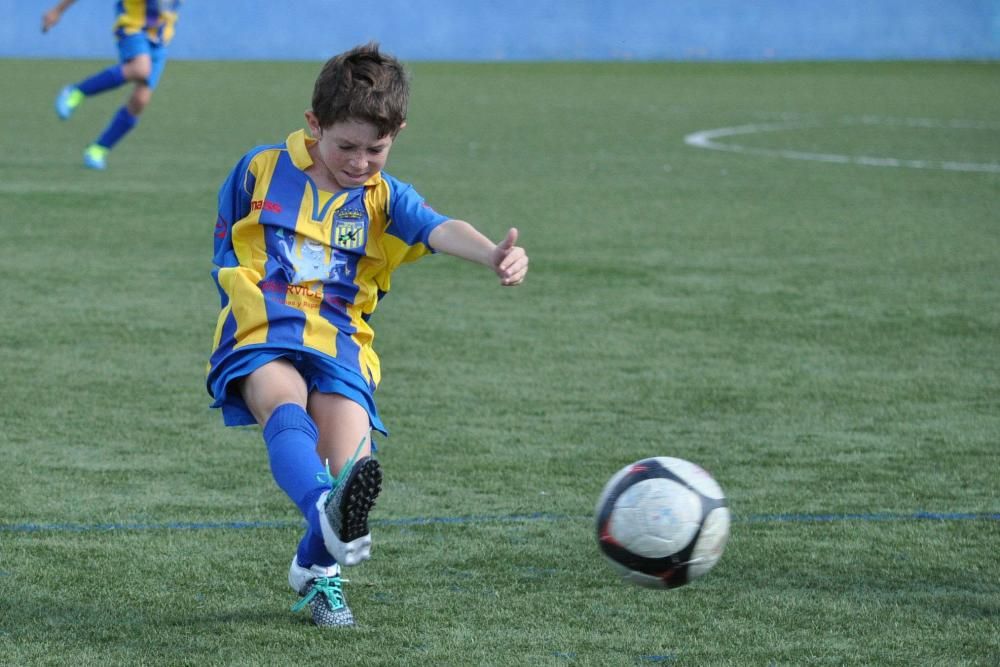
234,205
411,218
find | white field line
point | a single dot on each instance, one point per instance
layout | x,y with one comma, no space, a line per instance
709,139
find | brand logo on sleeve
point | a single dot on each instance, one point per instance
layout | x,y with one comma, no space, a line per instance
265,205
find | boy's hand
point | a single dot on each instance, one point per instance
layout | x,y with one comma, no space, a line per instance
50,18
510,261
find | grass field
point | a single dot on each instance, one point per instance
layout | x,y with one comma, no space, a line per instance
823,336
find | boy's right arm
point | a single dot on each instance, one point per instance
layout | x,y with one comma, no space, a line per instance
460,239
51,17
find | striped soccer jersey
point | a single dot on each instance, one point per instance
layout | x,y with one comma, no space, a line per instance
154,18
301,269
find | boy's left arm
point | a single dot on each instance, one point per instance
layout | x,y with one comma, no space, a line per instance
51,17
460,239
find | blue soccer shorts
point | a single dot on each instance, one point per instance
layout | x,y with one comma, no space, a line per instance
320,374
138,44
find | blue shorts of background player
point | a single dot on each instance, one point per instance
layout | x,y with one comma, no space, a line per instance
142,58
133,46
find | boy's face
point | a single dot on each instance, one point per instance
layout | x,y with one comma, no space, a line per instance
351,150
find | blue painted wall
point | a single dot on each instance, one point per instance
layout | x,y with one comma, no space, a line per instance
485,30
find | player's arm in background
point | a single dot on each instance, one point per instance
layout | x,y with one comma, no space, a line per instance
460,239
51,17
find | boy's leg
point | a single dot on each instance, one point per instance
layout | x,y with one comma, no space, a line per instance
345,444
135,63
143,64
105,80
96,154
71,96
276,395
127,116
123,122
290,436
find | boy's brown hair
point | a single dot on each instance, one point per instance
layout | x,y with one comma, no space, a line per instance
362,84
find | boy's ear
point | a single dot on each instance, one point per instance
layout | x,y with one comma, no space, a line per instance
313,123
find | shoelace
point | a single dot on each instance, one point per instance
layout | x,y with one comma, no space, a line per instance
326,477
329,587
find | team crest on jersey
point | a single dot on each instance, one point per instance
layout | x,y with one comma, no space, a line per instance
349,229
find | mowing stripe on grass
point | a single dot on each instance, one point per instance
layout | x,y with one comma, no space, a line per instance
481,519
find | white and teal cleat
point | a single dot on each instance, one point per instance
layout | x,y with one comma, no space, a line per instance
343,511
321,589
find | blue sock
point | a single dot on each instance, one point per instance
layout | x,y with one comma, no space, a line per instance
121,124
107,79
312,548
291,436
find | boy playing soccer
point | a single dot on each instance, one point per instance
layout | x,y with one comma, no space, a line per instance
143,28
308,234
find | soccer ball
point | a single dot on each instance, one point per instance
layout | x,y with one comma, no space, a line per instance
662,522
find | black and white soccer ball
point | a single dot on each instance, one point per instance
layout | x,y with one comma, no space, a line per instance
662,522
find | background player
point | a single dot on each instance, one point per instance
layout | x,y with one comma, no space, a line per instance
143,30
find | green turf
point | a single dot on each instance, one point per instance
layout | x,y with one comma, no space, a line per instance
825,338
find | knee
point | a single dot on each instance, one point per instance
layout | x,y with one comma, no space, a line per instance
140,99
138,69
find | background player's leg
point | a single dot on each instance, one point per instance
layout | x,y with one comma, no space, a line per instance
72,95
138,69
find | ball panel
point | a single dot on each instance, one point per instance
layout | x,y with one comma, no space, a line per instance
710,544
610,488
694,475
655,518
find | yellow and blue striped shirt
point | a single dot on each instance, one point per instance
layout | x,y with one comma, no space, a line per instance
301,269
153,18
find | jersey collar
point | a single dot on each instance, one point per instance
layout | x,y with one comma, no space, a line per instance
298,149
